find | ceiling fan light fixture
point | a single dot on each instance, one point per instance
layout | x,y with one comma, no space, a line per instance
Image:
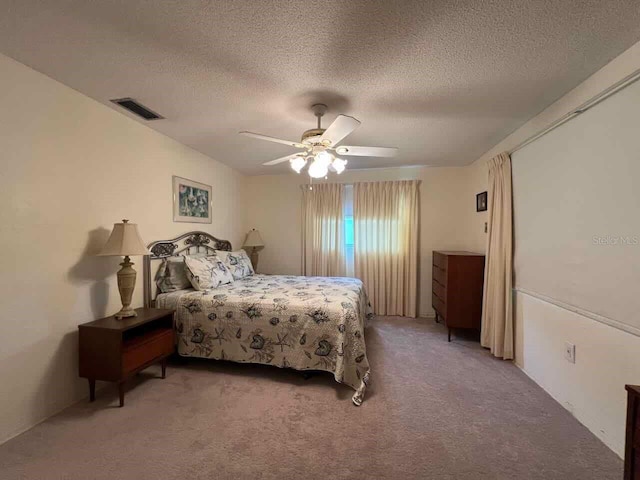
339,165
324,157
318,169
298,163
320,146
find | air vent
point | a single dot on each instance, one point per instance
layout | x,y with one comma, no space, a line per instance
135,107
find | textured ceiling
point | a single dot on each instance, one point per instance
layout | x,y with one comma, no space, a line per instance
442,80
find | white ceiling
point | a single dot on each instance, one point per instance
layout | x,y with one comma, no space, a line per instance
442,80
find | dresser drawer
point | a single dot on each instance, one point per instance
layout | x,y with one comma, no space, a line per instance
440,260
440,275
438,305
439,290
141,351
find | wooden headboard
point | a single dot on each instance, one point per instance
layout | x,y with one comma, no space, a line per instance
186,244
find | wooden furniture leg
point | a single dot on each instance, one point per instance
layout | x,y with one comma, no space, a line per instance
164,369
449,339
92,389
121,393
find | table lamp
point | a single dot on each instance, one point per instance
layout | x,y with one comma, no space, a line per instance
254,242
125,241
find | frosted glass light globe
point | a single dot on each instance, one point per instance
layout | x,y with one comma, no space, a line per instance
339,165
298,163
325,158
318,169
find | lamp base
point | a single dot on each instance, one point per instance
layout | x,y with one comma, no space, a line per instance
125,313
126,285
254,258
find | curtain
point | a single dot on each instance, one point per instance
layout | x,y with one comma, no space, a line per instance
497,318
385,218
323,230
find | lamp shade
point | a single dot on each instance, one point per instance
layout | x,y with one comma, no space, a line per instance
124,240
253,239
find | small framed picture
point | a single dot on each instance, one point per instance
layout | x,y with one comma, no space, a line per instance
191,201
481,202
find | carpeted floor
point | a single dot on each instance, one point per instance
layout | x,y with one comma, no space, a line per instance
435,410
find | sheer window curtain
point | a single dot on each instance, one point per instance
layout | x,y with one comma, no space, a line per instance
497,316
386,244
323,230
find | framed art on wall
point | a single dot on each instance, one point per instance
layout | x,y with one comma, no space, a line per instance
191,201
481,202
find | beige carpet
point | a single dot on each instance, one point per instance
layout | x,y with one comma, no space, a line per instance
436,410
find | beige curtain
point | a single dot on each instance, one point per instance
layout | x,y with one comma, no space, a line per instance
497,318
323,230
385,216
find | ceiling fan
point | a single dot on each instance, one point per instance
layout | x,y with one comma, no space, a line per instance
320,146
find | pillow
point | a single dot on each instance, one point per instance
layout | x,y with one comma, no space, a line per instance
171,275
207,272
237,262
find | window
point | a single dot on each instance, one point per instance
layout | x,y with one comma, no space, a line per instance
349,231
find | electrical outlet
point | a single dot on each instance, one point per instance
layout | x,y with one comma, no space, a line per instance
570,352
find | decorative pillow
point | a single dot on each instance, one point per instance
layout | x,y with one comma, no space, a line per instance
237,262
171,275
207,272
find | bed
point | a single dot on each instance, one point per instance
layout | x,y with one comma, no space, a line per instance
304,323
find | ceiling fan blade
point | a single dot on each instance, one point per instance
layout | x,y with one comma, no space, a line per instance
282,159
340,128
366,151
272,139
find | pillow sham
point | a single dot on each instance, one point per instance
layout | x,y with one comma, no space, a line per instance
207,272
171,275
237,262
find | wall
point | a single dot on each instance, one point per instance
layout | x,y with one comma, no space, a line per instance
477,180
592,389
444,201
71,167
606,358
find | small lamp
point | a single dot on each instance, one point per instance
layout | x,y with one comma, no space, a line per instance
254,241
124,241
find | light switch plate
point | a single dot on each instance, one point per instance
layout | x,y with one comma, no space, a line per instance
570,352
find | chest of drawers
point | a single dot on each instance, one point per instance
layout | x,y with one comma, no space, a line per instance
456,290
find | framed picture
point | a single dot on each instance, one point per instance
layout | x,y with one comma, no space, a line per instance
481,202
191,201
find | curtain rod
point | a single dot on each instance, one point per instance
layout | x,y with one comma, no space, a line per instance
592,102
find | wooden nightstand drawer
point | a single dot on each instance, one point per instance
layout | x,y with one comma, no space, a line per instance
145,349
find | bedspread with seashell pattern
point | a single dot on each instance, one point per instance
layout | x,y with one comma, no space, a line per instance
305,323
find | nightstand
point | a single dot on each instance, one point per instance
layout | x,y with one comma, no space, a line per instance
114,350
